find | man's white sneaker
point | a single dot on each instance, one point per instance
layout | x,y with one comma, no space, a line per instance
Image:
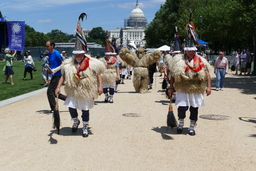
85,130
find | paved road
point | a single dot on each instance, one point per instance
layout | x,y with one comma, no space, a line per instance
131,133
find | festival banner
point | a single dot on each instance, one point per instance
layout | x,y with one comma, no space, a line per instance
16,35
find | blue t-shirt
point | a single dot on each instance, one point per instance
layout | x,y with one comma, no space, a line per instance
55,60
117,65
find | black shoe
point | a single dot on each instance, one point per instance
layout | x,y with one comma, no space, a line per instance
179,130
75,126
191,132
106,99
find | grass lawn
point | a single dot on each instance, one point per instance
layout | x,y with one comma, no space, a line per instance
20,86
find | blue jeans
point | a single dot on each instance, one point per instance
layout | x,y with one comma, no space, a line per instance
220,75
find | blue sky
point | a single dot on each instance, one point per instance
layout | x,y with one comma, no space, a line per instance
47,15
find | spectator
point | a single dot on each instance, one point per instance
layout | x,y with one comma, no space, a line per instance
64,55
204,55
236,61
29,65
8,66
243,62
47,76
248,62
161,63
151,71
220,69
41,55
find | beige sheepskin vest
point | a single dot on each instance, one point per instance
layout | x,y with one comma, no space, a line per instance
109,75
86,87
190,81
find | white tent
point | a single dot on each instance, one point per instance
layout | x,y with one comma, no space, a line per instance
164,48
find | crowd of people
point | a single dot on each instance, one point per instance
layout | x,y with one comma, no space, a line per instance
243,62
84,77
109,71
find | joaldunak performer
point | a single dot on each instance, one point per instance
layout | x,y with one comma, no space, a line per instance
111,73
83,83
189,75
140,61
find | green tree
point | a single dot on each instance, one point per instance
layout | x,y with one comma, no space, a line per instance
34,38
58,36
227,25
162,29
98,35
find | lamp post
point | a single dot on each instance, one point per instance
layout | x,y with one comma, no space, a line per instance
201,21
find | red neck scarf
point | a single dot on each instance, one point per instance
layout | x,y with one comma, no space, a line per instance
197,65
83,65
110,62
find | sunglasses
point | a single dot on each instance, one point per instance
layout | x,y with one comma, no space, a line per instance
47,45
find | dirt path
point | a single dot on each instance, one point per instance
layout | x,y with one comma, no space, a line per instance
131,133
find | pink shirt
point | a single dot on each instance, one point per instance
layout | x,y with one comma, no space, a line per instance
221,63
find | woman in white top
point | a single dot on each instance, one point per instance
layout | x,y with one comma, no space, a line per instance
236,61
29,65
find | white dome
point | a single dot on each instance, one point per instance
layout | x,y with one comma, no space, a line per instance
137,13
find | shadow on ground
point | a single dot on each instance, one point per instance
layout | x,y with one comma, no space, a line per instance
248,119
245,83
164,131
48,112
66,131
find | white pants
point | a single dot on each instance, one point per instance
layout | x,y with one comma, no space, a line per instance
109,85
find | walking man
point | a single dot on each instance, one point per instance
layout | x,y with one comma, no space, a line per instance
220,69
189,73
55,60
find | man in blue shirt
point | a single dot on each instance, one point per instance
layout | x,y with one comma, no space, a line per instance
55,60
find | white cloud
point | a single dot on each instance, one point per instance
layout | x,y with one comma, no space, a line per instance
45,21
158,1
37,4
142,4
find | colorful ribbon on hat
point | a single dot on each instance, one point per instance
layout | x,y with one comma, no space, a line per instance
110,44
80,35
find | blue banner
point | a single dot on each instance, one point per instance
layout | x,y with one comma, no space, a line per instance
16,35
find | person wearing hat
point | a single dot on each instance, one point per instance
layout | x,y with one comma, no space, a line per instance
8,66
83,83
189,74
220,69
111,74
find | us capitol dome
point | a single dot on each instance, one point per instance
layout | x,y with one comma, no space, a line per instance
136,19
132,32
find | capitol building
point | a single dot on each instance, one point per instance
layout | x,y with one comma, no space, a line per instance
133,29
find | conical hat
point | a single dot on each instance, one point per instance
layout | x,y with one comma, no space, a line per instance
81,43
109,48
192,37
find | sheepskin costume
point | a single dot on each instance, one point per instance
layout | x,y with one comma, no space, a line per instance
190,81
140,62
85,87
109,75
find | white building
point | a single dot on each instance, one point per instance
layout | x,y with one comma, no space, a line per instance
133,29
